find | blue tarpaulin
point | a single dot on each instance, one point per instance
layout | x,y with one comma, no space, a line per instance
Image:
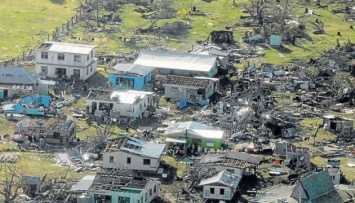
182,103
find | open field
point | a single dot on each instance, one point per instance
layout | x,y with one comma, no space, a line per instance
24,23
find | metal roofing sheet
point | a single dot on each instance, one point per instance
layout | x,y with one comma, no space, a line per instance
318,184
17,76
224,178
71,48
243,156
128,97
84,184
194,129
153,150
175,60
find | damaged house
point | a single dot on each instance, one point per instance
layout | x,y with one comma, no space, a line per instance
292,154
237,163
192,89
130,103
131,76
153,66
337,124
65,60
221,186
52,131
197,135
132,154
29,105
317,187
105,188
174,63
17,80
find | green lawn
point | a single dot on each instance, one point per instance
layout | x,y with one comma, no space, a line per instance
24,23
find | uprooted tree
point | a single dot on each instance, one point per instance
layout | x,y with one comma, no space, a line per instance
11,183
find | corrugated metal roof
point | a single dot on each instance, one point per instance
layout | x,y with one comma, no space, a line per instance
84,184
175,60
133,68
224,178
193,129
128,97
136,146
317,185
153,150
217,52
71,47
243,157
123,67
17,76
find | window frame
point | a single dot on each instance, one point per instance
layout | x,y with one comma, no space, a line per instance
77,58
44,54
111,159
146,162
61,56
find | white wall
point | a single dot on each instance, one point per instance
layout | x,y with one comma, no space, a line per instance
120,161
68,63
127,110
228,192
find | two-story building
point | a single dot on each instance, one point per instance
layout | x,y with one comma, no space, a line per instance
128,103
53,130
132,154
107,188
65,60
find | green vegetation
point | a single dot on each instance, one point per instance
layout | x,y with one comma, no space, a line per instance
25,23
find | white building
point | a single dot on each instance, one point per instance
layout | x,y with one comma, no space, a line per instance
221,186
130,103
68,60
193,89
132,154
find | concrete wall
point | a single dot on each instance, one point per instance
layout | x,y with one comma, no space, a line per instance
86,67
120,161
176,92
142,197
228,192
14,89
64,135
68,59
127,110
138,82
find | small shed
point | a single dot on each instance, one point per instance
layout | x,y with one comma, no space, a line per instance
337,124
275,40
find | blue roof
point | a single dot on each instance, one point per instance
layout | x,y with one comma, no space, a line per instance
15,75
135,146
29,105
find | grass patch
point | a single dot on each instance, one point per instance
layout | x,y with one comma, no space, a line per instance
181,167
25,23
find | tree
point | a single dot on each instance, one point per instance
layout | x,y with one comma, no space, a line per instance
12,181
257,9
